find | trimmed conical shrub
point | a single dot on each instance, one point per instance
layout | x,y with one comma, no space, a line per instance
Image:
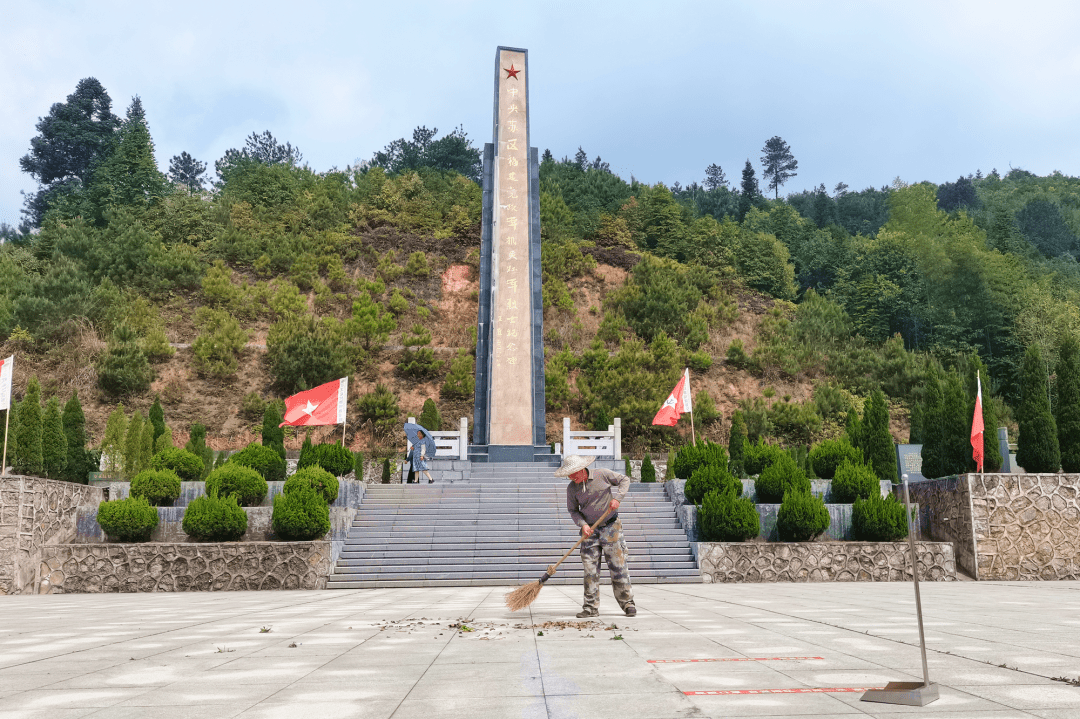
779,478
853,481
246,483
692,456
759,455
801,517
316,477
159,487
648,470
28,431
737,444
187,465
264,460
827,455
53,442
876,442
214,518
710,478
127,520
723,517
300,515
878,519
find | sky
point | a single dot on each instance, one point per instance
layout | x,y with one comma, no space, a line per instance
863,91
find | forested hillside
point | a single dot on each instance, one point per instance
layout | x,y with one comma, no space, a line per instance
220,294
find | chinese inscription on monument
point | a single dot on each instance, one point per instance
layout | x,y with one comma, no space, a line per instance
511,311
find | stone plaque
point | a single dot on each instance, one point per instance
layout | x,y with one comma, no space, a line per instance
909,462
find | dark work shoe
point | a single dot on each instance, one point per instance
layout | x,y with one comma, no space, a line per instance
587,613
631,610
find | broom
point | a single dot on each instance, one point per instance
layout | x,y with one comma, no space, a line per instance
526,594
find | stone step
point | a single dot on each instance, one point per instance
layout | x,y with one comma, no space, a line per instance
495,536
556,548
505,554
335,582
508,575
496,563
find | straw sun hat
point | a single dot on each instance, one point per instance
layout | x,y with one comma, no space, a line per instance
572,463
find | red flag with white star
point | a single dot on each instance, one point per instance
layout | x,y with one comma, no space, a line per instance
977,429
676,404
324,404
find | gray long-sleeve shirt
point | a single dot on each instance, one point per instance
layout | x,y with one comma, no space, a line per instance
587,501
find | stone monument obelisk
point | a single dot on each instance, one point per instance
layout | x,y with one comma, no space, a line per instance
508,416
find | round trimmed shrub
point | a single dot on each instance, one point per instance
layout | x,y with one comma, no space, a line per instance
246,483
159,487
648,471
300,515
127,520
782,476
264,460
214,518
708,478
802,517
334,458
854,481
724,517
316,477
759,455
187,465
827,455
692,456
878,519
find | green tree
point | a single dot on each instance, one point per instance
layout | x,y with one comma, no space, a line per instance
749,192
429,416
123,368
273,435
737,444
370,323
157,418
452,152
79,460
779,164
133,452
304,353
196,444
1067,413
187,171
877,443
112,444
219,343
28,434
380,406
1037,449
459,382
53,442
74,138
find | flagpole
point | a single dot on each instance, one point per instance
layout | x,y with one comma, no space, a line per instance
7,418
693,436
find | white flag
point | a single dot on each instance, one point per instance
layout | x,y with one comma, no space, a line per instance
7,367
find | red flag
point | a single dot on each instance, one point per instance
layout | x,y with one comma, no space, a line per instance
676,403
977,428
323,405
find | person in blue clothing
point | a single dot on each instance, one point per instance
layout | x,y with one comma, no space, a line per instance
416,456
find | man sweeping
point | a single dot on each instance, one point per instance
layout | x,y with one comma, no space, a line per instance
588,496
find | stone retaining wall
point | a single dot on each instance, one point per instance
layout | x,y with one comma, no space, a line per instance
824,561
35,512
168,567
1007,526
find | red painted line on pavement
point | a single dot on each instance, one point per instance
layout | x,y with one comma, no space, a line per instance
798,690
729,659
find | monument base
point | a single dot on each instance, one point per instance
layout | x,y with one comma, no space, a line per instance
511,453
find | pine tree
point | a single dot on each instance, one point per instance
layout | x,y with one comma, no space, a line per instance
164,441
915,433
53,441
157,418
112,445
1068,403
79,463
28,434
737,444
877,445
750,194
853,428
146,446
429,416
780,164
196,444
933,403
305,447
133,446
272,434
1037,449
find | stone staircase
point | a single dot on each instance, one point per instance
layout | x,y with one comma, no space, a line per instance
504,527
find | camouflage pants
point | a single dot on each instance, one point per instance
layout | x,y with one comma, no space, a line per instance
609,539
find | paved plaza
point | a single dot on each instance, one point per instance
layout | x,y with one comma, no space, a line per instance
995,649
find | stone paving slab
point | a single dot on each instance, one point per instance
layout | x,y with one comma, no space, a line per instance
994,648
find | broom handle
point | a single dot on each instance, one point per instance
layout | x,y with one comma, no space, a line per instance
551,570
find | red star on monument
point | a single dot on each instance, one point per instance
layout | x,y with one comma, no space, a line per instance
511,73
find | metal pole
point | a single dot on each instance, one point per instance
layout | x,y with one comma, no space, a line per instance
915,578
7,419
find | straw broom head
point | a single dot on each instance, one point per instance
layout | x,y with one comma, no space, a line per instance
524,595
